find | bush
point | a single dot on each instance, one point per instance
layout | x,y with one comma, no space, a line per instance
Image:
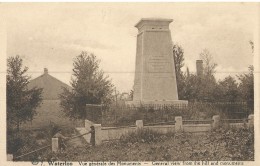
13,144
239,143
143,136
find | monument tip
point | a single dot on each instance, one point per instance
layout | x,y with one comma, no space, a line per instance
153,20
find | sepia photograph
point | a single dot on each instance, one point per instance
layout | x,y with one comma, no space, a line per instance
98,84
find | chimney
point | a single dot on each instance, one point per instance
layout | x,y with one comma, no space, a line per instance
199,67
45,71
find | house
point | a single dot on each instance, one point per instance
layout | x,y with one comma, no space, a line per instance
49,112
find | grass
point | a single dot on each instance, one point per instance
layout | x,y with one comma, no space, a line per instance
29,140
222,144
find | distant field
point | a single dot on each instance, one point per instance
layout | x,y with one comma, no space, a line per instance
50,112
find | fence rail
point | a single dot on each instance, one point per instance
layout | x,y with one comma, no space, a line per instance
121,115
47,146
197,121
118,127
178,126
160,123
235,120
34,151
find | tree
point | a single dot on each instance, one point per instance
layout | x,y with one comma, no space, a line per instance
21,101
208,84
178,55
228,89
89,86
204,88
252,45
209,65
246,86
131,94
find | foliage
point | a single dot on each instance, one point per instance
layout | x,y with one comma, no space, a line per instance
131,94
228,88
89,86
252,45
239,143
178,55
209,67
200,88
190,86
21,101
125,116
30,140
218,145
246,86
143,136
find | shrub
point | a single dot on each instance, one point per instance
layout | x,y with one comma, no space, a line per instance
239,143
143,136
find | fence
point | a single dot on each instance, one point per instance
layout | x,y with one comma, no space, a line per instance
54,145
118,115
178,125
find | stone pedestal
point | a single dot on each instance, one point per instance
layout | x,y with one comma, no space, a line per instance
216,121
139,124
98,134
155,77
178,124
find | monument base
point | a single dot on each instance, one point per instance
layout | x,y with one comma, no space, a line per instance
157,103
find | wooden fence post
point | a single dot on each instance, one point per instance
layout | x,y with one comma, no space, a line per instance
178,124
55,145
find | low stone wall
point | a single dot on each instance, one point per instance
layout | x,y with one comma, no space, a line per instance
195,126
164,129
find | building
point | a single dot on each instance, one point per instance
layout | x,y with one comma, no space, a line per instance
49,111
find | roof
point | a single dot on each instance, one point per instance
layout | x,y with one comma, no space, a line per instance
52,87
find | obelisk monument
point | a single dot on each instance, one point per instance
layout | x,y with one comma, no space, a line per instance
155,78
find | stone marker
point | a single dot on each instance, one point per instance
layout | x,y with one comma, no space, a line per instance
155,78
98,134
139,124
55,144
178,124
216,121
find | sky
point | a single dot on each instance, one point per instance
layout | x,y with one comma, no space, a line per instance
51,35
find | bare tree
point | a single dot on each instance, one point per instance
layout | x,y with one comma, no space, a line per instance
209,65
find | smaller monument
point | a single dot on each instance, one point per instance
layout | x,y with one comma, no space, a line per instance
155,77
